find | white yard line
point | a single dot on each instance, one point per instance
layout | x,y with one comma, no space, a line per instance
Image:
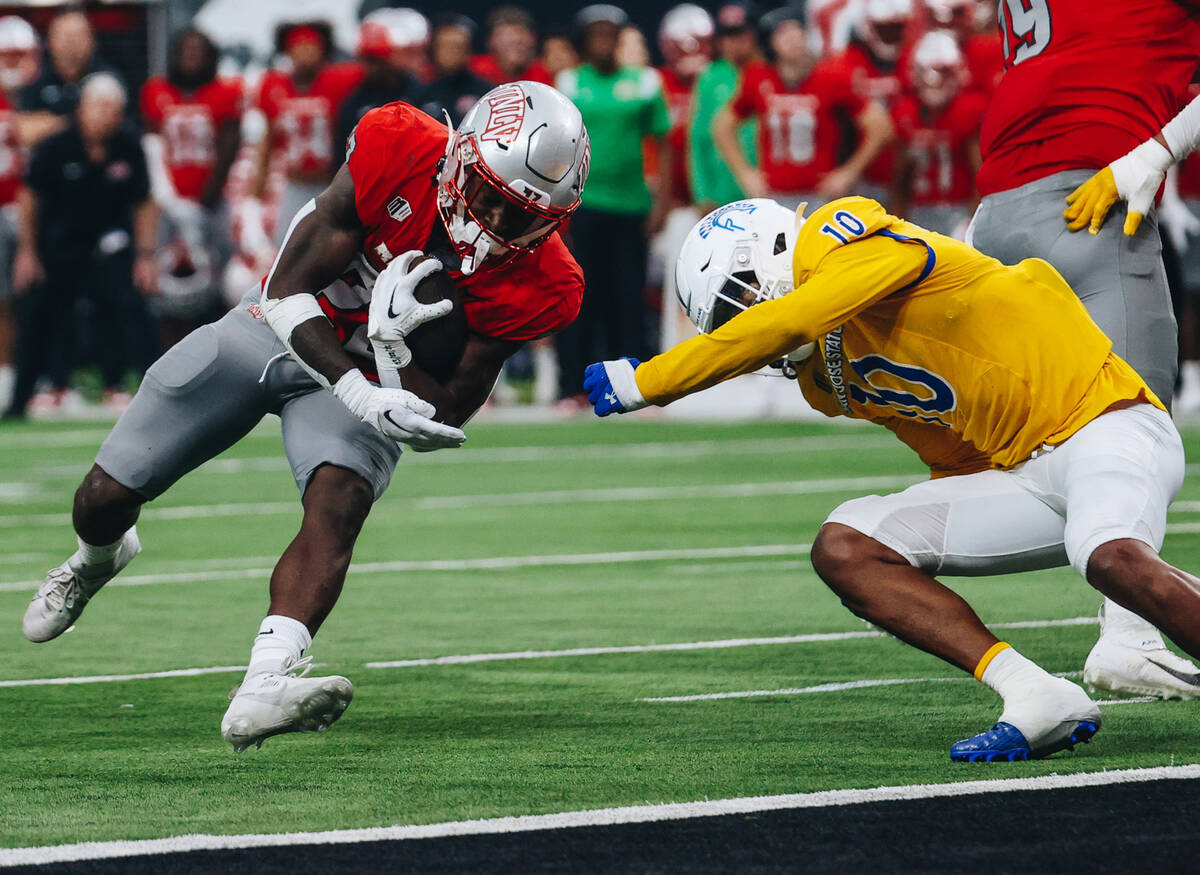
470,658
490,563
593,817
112,678
795,691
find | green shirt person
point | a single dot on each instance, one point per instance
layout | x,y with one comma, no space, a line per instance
712,181
620,107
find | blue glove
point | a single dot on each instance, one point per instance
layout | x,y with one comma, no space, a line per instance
611,386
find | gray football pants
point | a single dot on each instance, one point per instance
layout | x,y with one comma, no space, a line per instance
1121,280
216,384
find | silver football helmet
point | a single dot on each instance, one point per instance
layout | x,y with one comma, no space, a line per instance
513,172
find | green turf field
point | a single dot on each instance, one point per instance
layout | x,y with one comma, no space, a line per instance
578,511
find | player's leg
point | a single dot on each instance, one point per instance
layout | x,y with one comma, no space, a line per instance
1118,475
200,398
880,554
1122,282
342,466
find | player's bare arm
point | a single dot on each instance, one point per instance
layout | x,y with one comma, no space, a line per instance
229,141
459,397
875,132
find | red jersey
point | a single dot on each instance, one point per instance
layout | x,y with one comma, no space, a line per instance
393,156
800,127
12,156
872,82
304,121
678,95
486,67
1085,81
188,123
984,56
940,146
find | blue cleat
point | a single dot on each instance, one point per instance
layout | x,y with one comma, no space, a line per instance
1005,743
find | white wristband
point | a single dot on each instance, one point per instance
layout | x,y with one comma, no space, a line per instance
285,314
624,382
1182,133
353,390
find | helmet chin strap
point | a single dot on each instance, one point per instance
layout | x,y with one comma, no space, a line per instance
466,231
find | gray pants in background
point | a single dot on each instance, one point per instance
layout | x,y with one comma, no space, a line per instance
1121,280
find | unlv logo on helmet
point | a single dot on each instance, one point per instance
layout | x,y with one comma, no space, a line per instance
507,111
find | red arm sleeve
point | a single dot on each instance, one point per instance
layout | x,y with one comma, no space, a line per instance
748,100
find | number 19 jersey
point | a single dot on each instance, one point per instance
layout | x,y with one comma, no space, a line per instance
1085,82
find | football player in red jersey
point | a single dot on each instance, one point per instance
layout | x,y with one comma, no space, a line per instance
875,60
801,104
193,122
937,129
980,44
18,67
302,107
330,320
1085,83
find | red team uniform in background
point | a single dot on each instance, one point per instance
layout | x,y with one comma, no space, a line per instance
799,128
392,158
304,122
188,123
486,67
871,82
12,157
1069,111
678,95
940,146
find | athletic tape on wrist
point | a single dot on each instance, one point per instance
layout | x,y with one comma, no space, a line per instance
624,382
1182,133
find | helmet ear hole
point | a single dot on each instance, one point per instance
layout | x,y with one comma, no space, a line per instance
780,243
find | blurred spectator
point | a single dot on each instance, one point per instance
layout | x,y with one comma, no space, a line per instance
973,24
620,107
558,54
632,50
802,106
736,44
391,45
48,103
685,40
511,48
875,61
937,132
454,88
832,24
88,228
18,67
1179,218
301,107
193,122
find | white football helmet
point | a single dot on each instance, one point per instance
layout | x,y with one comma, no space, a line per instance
513,172
938,70
735,257
19,53
884,25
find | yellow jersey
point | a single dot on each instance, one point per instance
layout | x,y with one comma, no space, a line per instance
972,363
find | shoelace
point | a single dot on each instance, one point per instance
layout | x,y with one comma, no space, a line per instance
58,584
305,663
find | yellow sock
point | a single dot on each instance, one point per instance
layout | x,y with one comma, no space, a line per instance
988,657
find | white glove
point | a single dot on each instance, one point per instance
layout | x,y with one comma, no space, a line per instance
1139,173
395,312
399,414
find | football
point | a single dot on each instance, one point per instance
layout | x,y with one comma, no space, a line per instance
437,346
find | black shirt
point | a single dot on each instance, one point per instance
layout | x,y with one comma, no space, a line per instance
49,93
456,93
369,96
79,202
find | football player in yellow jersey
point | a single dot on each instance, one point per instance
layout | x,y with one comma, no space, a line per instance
1045,447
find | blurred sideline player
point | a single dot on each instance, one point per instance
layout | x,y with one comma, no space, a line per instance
876,60
685,38
391,46
973,24
193,121
18,67
313,346
1045,447
1085,83
1184,229
801,104
937,133
301,107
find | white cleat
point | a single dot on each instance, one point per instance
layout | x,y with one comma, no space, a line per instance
1137,667
285,701
61,599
